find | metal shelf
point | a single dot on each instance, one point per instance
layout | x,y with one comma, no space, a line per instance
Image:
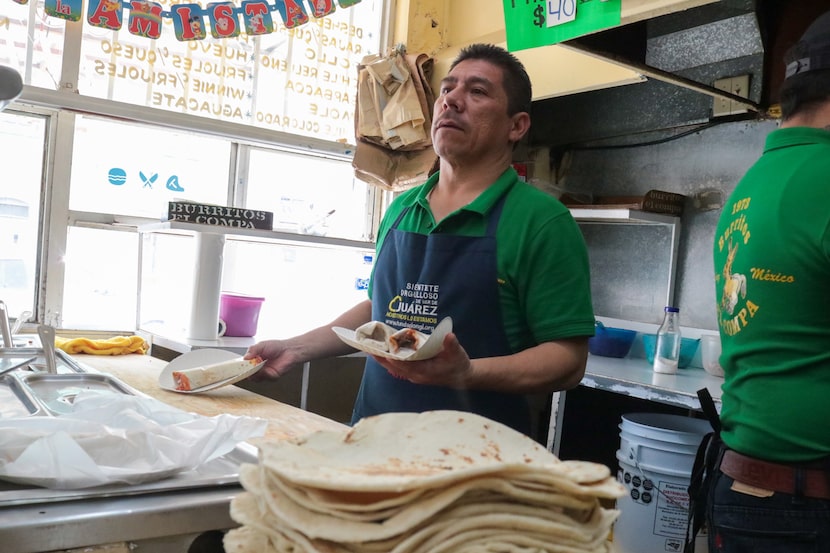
193,229
627,216
622,215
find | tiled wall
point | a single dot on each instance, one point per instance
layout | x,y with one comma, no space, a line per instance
629,264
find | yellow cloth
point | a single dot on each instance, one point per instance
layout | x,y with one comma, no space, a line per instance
117,345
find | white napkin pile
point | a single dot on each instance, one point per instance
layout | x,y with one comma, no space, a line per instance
110,438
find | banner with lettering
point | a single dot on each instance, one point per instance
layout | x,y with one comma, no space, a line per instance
533,23
192,21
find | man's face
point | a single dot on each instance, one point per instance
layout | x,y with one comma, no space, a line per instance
470,120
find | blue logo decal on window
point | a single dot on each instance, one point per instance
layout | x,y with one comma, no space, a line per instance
117,176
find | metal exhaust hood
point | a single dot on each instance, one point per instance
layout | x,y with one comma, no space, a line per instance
442,28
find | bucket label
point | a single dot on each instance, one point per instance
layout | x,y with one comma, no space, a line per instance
671,517
654,511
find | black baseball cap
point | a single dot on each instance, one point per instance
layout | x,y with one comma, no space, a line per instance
812,51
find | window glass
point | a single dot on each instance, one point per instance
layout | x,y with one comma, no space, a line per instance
22,139
303,286
26,30
306,78
167,271
308,194
209,78
129,169
299,80
100,282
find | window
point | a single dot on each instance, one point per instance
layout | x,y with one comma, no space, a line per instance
22,137
26,31
300,80
262,122
307,194
128,169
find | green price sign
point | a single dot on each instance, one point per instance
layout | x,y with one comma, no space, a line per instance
532,23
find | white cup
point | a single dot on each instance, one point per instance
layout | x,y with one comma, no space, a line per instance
710,350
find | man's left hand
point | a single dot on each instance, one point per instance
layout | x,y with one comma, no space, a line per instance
450,368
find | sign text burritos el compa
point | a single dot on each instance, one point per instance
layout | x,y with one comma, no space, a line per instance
222,216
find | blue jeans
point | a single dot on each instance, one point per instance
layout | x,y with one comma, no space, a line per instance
782,523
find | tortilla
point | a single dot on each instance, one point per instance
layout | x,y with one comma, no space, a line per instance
403,451
434,482
374,334
198,377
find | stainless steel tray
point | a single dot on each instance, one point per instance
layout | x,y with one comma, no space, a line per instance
223,471
31,392
15,399
57,392
65,363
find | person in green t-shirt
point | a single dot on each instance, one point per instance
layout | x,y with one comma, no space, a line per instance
504,260
772,283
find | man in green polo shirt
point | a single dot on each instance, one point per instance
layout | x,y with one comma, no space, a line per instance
772,262
506,261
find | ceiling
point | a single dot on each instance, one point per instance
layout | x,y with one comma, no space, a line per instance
670,47
441,29
663,40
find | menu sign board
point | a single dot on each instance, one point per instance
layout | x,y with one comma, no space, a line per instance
530,24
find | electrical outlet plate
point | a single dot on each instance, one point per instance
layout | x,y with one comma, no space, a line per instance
739,86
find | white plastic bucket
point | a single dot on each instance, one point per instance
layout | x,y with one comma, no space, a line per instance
656,456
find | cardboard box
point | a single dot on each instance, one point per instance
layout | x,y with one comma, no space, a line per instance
655,201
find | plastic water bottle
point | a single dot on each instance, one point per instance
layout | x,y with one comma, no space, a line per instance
667,352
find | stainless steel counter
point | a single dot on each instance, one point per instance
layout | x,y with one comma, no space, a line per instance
74,524
158,517
634,377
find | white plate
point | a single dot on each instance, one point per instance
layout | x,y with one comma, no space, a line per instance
200,358
431,347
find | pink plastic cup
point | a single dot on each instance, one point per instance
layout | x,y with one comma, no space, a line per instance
240,313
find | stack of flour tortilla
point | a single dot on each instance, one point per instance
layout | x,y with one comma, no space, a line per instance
440,481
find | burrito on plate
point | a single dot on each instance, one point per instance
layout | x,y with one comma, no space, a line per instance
386,338
198,377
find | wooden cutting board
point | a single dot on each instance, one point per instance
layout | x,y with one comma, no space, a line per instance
142,371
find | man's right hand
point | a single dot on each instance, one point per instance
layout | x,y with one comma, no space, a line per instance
279,357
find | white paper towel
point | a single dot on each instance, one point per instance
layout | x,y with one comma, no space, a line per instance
142,440
207,286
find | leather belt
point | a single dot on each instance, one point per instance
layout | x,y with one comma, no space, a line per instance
775,476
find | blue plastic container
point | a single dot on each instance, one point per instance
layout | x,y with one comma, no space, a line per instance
611,342
688,348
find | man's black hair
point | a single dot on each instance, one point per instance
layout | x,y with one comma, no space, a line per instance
515,80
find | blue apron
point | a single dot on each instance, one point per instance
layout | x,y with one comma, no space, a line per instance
420,279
